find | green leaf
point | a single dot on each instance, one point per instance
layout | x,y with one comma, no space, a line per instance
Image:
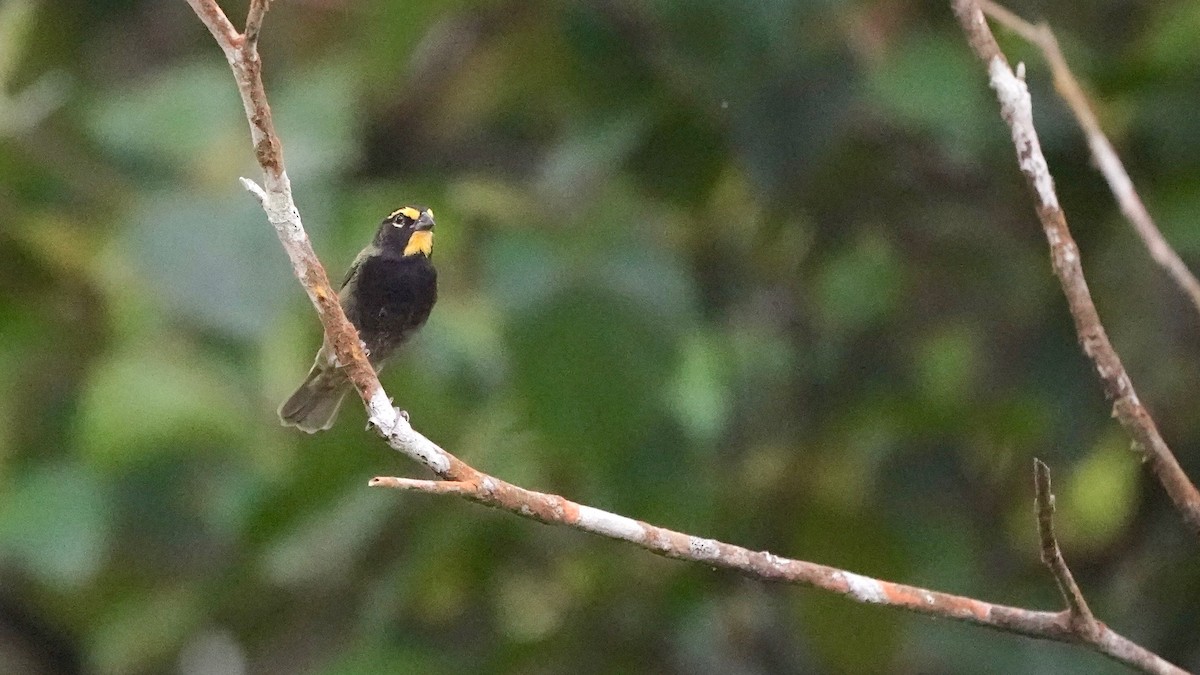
1096,500
326,545
681,158
145,630
55,521
933,84
1175,209
16,18
1170,39
588,362
385,656
946,363
653,278
862,540
522,271
322,130
182,117
590,152
212,260
700,394
141,403
860,286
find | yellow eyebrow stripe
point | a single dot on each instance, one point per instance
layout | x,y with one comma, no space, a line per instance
408,211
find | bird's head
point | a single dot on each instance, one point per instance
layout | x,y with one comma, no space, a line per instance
410,230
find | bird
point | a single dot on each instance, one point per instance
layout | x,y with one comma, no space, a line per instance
388,293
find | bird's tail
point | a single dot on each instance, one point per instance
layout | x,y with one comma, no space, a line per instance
314,405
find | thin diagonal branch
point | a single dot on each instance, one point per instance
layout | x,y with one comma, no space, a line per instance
1017,110
464,481
1082,619
217,23
1103,154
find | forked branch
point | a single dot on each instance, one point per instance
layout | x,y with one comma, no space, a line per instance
1085,627
1017,110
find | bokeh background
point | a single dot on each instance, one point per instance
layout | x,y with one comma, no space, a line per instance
760,271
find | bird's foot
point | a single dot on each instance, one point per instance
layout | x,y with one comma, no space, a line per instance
371,426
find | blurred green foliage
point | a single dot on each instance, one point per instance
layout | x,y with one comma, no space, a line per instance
759,271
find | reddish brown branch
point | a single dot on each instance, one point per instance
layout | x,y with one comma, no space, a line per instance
1017,111
765,566
1105,156
762,565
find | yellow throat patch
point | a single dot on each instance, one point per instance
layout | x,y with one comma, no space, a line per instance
421,241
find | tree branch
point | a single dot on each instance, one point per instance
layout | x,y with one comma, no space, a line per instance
464,481
1063,626
1081,616
1017,110
1103,154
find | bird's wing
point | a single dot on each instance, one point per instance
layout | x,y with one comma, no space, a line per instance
345,294
358,260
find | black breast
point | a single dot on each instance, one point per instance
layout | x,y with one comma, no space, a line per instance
393,298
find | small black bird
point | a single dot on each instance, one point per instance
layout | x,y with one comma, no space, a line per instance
388,294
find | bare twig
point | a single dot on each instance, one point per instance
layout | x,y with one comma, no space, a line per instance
1017,111
433,487
464,481
1081,616
1087,629
1105,156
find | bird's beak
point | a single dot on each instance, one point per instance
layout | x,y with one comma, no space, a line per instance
421,240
